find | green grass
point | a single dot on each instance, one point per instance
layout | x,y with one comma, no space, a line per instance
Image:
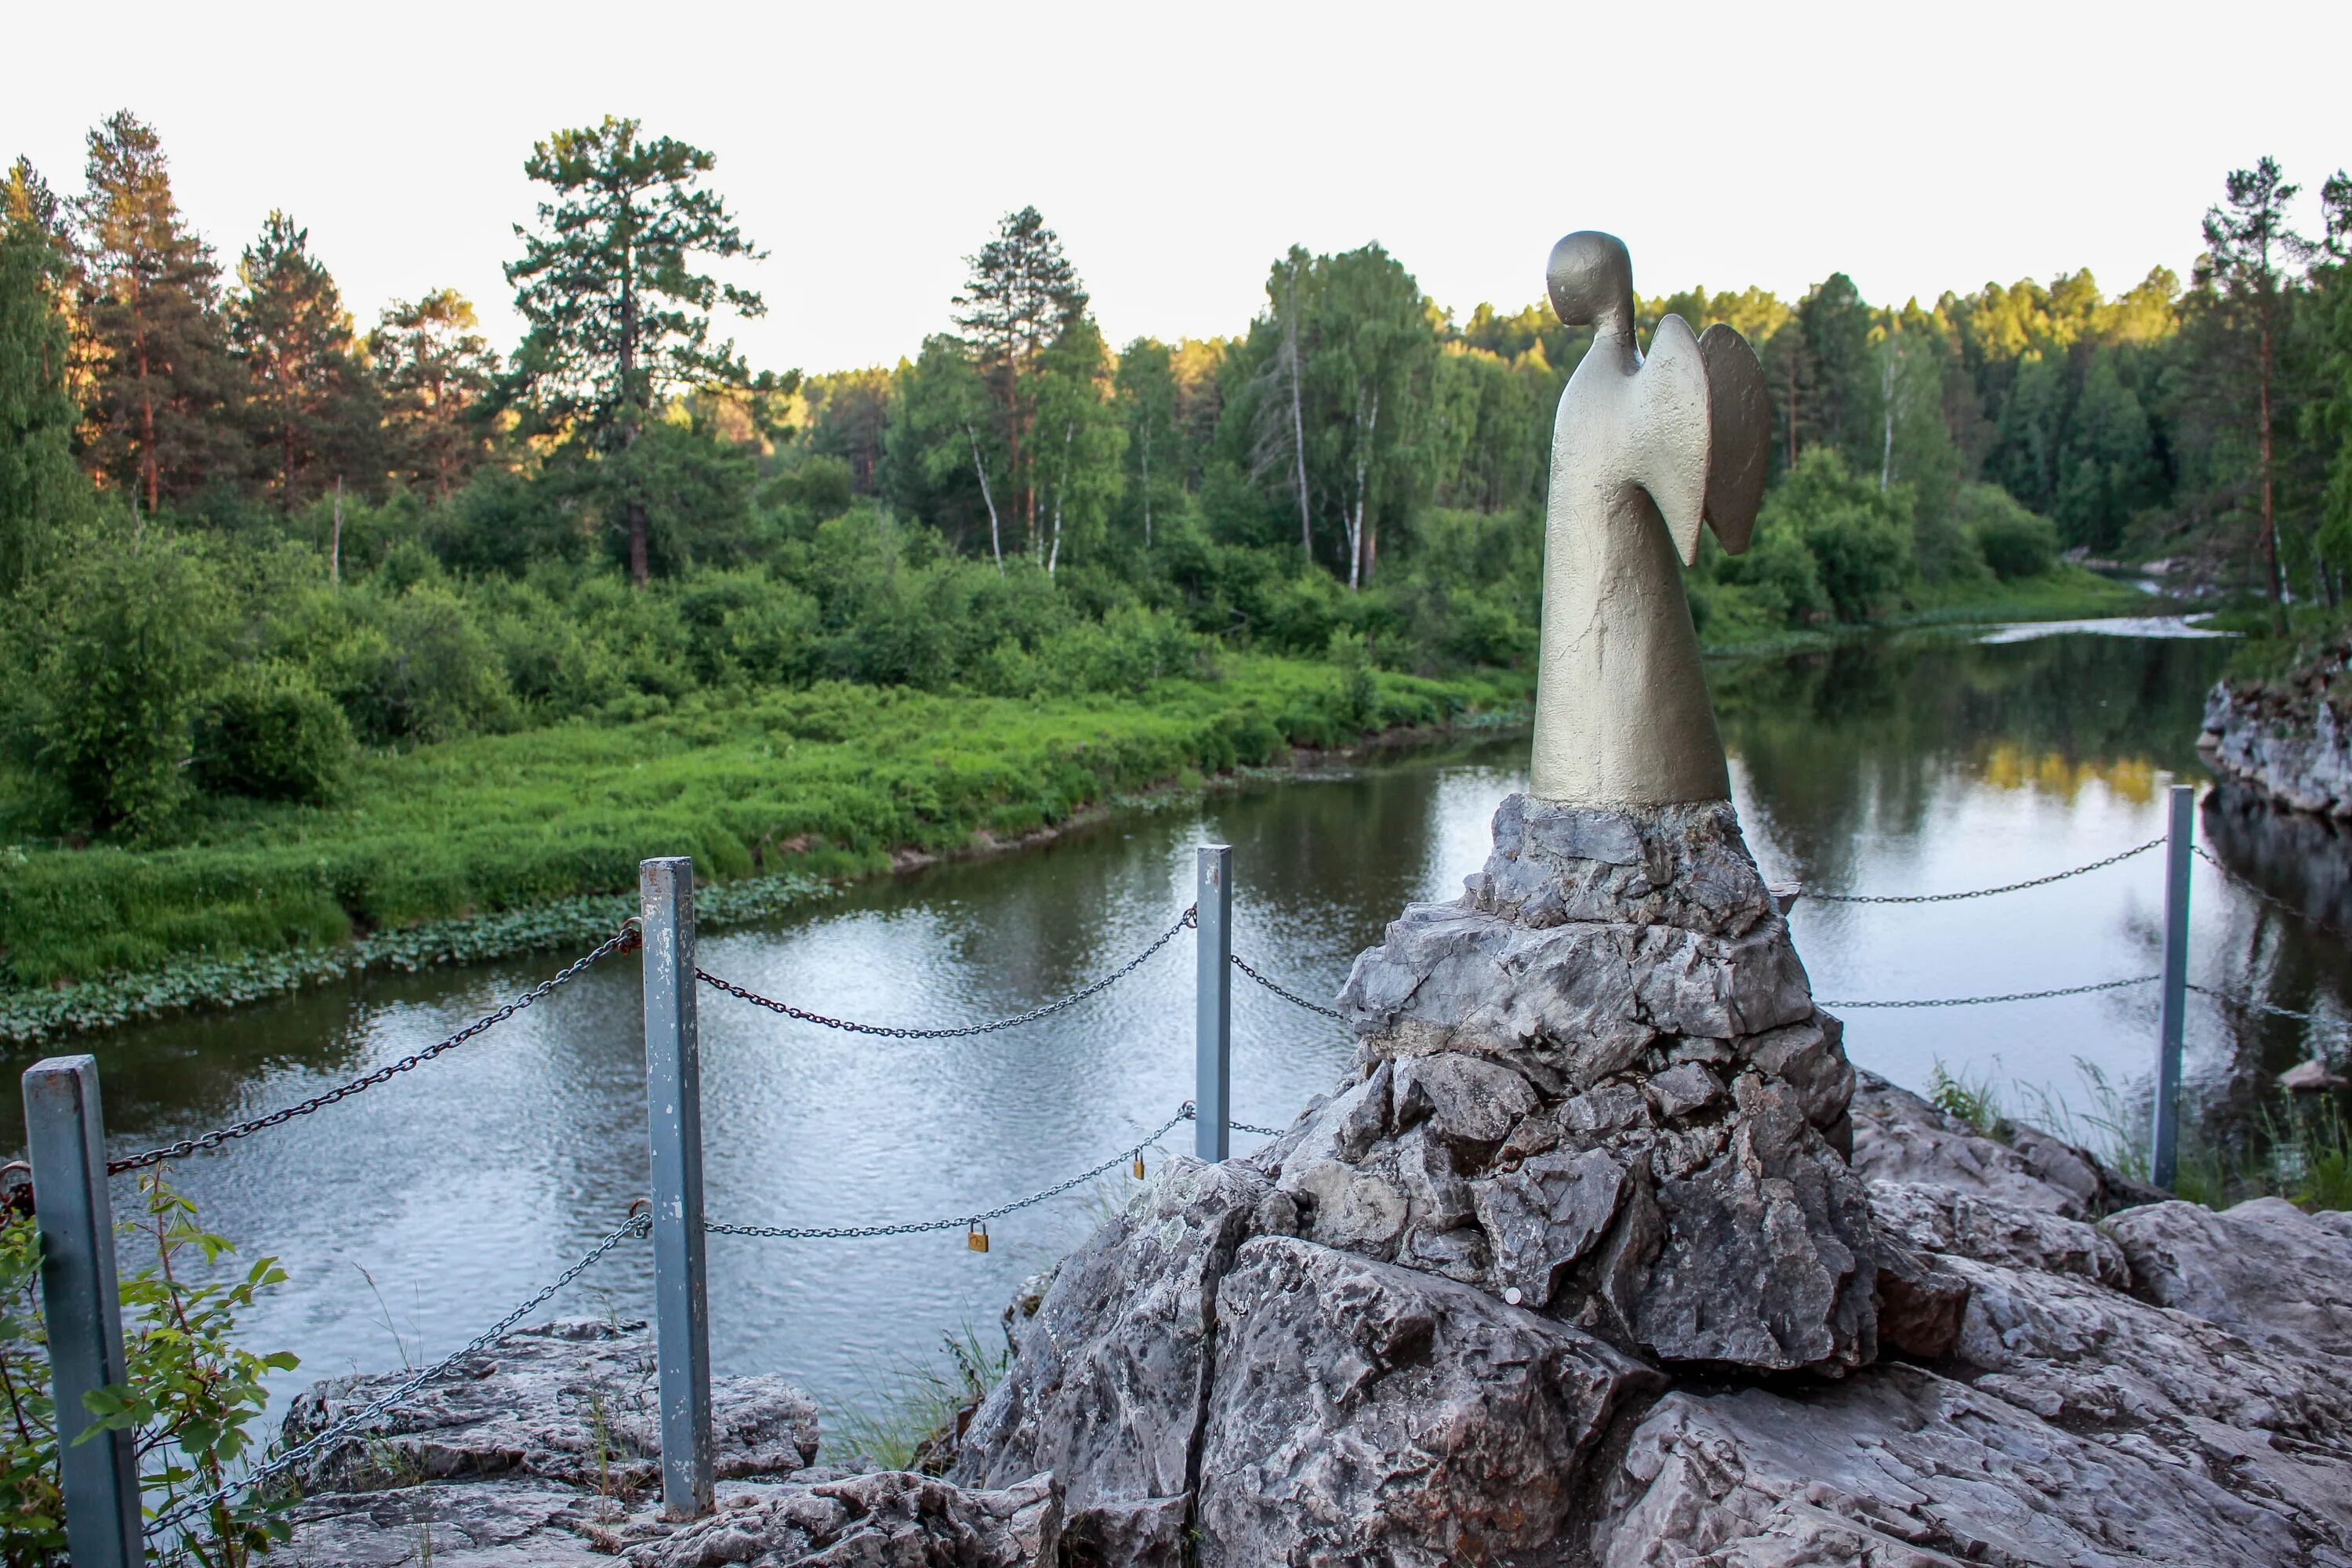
2068,592
471,847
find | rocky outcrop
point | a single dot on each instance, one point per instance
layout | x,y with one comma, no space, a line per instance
1601,1254
2291,736
1597,1087
544,1451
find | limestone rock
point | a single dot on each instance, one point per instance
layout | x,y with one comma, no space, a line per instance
1599,1082
1112,1373
505,1523
2264,1271
570,1401
1899,1467
1947,1220
1900,1136
2288,737
1368,1413
889,1520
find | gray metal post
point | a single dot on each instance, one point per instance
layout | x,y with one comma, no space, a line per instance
1212,1051
2180,838
674,1110
66,1135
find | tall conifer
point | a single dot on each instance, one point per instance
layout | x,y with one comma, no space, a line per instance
310,403
164,385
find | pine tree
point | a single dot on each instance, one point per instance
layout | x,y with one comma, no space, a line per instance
1021,295
40,487
311,405
618,316
164,387
2247,246
434,370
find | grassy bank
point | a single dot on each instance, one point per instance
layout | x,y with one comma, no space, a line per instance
500,844
2066,593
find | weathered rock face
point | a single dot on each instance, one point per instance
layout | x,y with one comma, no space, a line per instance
545,1452
1365,1413
1599,1082
2289,737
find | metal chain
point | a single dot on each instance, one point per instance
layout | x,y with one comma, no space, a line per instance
2269,898
1188,1114
619,942
2272,1009
1290,996
171,1518
1981,892
961,1222
1184,921
2012,997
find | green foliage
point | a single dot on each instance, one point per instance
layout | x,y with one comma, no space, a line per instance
417,667
910,1419
2014,543
1976,1102
131,634
42,492
192,1397
827,780
1858,535
270,733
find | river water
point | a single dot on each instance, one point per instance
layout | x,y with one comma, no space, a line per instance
412,1217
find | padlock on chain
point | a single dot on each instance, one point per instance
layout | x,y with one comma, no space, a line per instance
977,1239
1138,1167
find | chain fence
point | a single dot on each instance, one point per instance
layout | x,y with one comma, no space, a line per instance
2269,898
621,941
162,1528
1980,892
1185,922
2319,1020
2010,996
1292,997
958,1222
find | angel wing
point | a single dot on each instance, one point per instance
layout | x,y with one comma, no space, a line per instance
1739,436
1668,432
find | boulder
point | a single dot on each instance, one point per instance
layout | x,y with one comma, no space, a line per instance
1364,1412
2264,1271
1599,1083
570,1401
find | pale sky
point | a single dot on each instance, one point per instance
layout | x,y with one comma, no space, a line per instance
1180,149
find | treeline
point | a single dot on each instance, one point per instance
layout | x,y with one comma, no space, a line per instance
239,535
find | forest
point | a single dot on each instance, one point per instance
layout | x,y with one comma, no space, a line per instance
245,539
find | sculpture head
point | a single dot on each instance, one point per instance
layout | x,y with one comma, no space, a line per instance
1591,281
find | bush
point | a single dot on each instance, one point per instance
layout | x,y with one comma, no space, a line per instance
132,626
2015,542
1858,535
420,669
272,734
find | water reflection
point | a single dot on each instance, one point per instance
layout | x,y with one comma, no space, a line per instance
413,1217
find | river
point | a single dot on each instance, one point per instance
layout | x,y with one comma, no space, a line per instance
410,1217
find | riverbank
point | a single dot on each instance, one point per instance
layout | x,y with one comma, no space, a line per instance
2066,593
499,845
2282,722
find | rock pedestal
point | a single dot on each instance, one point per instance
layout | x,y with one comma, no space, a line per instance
1597,1087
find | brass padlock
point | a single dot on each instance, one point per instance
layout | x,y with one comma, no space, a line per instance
978,1237
1138,1167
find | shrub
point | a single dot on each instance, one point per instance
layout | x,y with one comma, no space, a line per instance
2015,542
421,669
272,734
132,625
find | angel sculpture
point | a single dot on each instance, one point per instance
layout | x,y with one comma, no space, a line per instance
1642,452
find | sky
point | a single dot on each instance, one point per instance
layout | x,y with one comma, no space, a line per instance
1179,150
